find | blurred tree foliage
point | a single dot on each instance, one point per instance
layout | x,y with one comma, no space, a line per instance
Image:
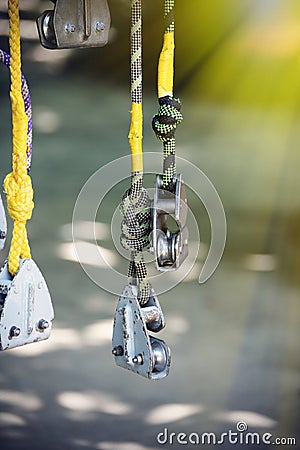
244,52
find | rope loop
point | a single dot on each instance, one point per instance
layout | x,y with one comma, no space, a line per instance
135,231
135,226
165,122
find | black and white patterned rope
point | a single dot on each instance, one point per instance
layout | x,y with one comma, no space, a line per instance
165,122
136,51
135,204
136,212
169,16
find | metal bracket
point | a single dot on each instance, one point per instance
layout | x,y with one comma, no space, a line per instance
25,305
3,225
75,23
133,348
170,247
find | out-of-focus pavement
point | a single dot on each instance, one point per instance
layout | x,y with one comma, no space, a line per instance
234,340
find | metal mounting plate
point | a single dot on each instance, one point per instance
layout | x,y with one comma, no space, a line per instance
130,334
27,311
75,23
170,248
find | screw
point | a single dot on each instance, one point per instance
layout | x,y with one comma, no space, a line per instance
2,234
14,332
99,26
138,359
40,285
70,28
43,324
118,351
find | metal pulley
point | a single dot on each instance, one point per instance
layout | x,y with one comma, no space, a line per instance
25,306
133,348
3,225
75,23
170,247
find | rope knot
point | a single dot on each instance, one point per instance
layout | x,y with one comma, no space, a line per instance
165,122
19,195
135,226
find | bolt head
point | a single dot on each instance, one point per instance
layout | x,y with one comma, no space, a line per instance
118,351
43,324
14,332
138,359
99,26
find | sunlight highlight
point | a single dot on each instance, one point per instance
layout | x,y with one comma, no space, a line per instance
122,446
252,419
11,420
172,413
93,401
85,230
261,262
22,400
91,254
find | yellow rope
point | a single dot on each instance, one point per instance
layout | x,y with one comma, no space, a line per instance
17,184
166,66
135,137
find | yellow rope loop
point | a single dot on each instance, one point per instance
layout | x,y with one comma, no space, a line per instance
20,205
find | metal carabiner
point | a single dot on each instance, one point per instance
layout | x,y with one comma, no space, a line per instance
25,306
75,23
133,348
170,247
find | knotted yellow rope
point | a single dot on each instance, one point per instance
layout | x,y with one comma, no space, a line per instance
17,184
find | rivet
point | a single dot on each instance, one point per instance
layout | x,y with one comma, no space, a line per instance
99,26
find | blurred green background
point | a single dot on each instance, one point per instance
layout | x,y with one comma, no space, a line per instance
235,339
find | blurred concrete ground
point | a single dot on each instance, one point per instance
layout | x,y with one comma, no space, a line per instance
234,340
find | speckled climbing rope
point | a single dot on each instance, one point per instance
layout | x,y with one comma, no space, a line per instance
164,124
135,205
169,116
5,59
